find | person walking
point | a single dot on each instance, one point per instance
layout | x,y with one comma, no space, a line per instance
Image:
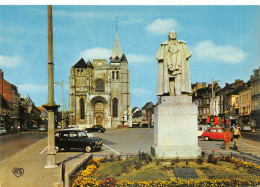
227,138
236,134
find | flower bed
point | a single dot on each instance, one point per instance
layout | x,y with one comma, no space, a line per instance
92,176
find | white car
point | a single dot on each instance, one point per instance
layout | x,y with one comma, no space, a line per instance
2,130
201,129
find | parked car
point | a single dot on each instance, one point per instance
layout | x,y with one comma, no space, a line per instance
213,133
43,129
75,138
201,129
247,128
96,128
2,130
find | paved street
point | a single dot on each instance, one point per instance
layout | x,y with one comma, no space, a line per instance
133,140
13,143
126,141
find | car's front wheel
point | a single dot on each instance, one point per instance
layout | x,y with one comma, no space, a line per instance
88,149
206,138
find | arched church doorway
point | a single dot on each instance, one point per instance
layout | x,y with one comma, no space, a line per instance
99,112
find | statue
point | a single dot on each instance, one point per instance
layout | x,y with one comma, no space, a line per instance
173,71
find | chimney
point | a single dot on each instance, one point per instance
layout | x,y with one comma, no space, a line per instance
239,83
227,84
215,85
204,85
209,85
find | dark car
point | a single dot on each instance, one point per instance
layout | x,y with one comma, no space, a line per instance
96,128
76,138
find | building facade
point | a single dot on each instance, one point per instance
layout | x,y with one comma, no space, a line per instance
9,106
255,90
228,104
244,102
100,92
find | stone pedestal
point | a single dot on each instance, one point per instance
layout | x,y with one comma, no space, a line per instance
175,128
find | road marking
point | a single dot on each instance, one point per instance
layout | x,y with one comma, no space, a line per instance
111,149
250,145
44,150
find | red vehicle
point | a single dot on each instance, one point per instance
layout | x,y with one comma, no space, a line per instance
213,133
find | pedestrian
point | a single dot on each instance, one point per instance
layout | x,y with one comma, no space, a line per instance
227,138
236,134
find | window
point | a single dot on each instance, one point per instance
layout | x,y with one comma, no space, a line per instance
73,135
65,135
115,107
117,75
81,104
100,86
113,74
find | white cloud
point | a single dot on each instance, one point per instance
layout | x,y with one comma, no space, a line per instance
208,51
162,26
103,53
33,88
138,91
96,53
132,58
9,62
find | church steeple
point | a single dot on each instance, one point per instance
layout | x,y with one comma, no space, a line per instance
117,53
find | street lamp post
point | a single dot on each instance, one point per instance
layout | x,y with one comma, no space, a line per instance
62,105
212,94
51,107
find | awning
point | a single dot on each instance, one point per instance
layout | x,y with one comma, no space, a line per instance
145,122
212,119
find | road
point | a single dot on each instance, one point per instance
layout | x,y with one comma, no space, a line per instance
128,141
133,140
255,136
12,143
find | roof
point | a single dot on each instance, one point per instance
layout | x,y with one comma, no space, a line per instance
117,50
237,90
40,108
89,65
80,64
148,104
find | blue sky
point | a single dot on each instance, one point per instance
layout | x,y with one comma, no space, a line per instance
224,41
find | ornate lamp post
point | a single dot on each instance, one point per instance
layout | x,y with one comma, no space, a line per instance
51,107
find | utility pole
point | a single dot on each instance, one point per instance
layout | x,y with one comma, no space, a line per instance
62,105
212,94
51,107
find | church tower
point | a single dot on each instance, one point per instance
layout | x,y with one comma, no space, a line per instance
99,92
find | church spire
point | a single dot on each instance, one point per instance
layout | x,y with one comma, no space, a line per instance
117,53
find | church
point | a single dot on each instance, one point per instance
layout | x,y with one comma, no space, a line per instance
99,91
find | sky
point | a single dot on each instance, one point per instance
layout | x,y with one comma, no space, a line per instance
224,41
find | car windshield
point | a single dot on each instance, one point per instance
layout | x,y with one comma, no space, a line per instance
82,134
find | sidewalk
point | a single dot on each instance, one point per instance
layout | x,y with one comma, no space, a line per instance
33,162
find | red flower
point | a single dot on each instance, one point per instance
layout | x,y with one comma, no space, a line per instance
99,175
121,162
213,150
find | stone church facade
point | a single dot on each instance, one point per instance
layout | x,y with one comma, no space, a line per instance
99,91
